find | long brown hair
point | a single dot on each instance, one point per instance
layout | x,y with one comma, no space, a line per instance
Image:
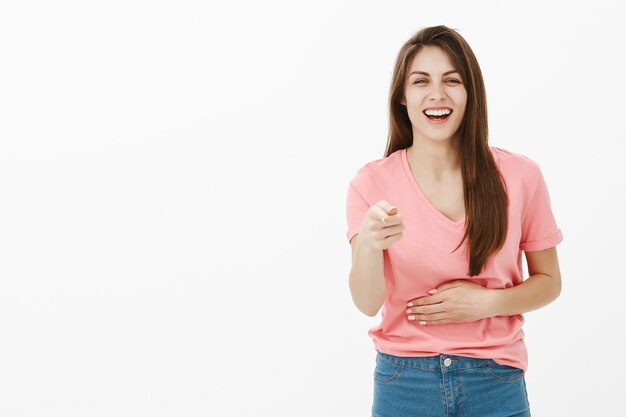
484,189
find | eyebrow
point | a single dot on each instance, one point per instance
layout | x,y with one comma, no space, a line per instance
425,73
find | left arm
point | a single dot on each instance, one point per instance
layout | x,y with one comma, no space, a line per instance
541,288
461,301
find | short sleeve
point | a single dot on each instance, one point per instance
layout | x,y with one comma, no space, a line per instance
356,204
539,228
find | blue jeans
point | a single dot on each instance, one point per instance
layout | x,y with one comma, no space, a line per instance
447,386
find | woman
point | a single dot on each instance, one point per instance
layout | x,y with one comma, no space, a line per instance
437,227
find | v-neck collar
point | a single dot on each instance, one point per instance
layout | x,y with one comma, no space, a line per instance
422,196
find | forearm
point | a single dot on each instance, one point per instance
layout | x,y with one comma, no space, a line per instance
535,292
367,281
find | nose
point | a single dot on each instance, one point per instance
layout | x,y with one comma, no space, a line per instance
436,90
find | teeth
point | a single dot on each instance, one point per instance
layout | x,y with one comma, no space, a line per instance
437,112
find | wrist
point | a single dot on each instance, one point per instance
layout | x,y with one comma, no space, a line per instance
495,302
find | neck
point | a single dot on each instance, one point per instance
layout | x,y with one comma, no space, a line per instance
437,159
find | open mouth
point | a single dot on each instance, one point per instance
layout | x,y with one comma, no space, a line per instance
438,118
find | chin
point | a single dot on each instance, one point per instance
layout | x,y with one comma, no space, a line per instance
443,134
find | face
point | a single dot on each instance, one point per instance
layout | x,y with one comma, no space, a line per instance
437,88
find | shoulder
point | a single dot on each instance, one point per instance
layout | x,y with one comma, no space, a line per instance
378,174
382,167
516,165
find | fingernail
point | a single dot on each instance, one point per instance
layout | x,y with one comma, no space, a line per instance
422,322
410,304
412,318
432,291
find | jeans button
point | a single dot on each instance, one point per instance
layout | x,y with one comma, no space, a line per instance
447,361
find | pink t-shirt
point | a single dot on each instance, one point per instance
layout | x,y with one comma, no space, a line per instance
421,260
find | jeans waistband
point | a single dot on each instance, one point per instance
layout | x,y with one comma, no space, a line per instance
437,362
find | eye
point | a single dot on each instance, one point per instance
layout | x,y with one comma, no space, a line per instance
455,81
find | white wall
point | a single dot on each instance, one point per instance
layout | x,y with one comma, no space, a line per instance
172,198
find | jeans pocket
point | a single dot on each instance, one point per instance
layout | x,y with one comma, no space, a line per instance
503,372
386,371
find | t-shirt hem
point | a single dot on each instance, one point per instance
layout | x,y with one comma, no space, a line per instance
508,360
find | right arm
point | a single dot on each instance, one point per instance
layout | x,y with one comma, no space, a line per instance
381,228
367,280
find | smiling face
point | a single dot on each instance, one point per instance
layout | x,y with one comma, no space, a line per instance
429,83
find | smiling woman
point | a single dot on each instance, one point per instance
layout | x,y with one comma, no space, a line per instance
437,228
447,82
